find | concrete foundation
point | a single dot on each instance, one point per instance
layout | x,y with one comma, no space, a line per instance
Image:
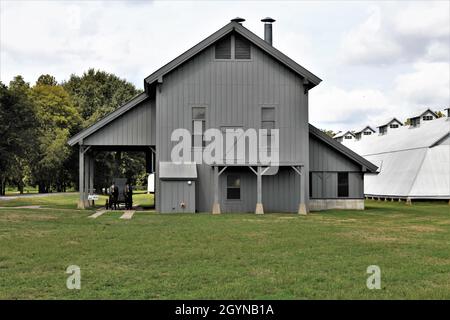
326,204
216,208
259,208
302,209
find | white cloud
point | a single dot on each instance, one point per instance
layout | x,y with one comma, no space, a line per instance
343,43
332,107
399,32
427,85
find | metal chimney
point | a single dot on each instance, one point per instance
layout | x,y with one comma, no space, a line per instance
238,20
268,29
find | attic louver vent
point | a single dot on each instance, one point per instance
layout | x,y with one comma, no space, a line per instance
223,48
242,48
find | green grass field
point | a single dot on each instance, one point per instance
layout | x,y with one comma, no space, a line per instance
231,256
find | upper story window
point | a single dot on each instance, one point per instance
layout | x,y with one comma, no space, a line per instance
367,133
231,47
426,118
393,126
348,137
198,122
268,118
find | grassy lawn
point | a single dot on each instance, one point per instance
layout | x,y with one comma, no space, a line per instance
231,256
69,201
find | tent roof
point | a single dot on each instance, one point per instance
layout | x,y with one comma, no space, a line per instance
413,162
364,128
421,114
403,138
389,121
343,133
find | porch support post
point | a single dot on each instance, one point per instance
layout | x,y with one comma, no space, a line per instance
81,178
91,177
216,204
259,206
302,206
87,172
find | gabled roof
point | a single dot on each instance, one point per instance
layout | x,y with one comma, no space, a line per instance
312,79
339,147
107,119
419,115
389,121
343,133
364,128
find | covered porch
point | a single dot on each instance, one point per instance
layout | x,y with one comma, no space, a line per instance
259,171
87,156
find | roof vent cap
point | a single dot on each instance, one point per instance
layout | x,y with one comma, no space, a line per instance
268,20
238,20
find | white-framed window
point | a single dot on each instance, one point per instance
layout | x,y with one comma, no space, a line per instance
393,126
367,133
348,137
427,118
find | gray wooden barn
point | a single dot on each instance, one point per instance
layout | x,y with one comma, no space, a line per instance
231,79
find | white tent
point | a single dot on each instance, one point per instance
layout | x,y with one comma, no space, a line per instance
412,162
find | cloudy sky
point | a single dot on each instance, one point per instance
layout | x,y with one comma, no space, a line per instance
376,59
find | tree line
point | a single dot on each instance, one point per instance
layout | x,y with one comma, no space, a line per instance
37,120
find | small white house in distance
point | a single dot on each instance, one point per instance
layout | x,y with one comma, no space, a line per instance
365,131
427,115
347,135
389,125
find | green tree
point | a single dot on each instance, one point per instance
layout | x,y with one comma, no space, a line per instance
46,79
97,93
328,132
58,119
18,125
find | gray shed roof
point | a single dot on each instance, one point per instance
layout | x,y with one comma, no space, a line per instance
174,171
253,38
107,119
341,148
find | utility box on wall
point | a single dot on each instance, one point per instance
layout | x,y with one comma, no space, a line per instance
177,187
